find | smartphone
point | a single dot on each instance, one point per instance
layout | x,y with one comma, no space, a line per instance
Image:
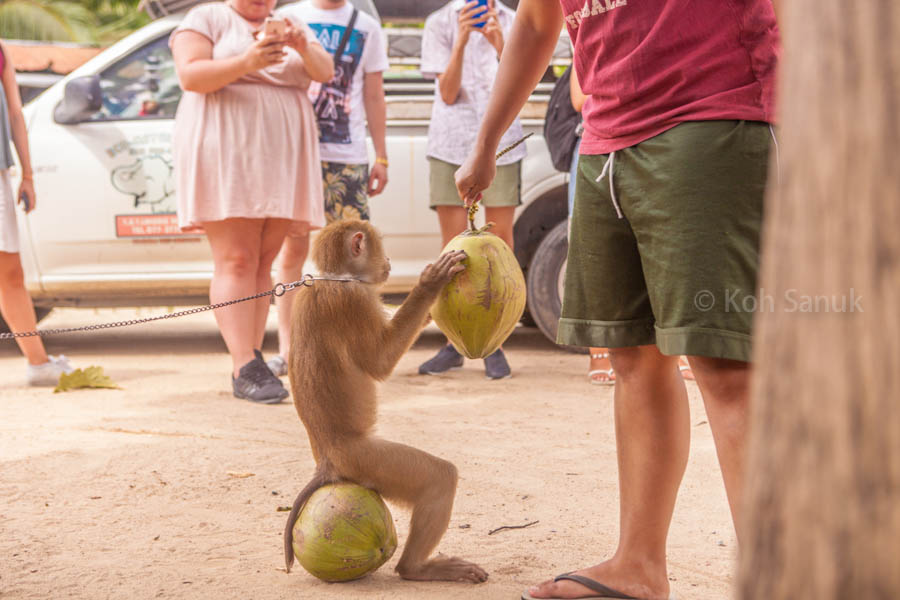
26,203
480,13
274,27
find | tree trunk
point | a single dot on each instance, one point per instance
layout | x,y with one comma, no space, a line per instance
822,508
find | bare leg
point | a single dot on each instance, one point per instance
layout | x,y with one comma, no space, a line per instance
453,221
272,238
236,245
290,268
725,385
652,441
407,475
17,308
502,217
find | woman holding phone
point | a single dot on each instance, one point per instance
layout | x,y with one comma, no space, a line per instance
15,303
246,159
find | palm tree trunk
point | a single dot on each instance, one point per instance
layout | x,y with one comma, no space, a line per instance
822,509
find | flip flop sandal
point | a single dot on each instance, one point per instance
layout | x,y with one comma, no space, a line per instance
603,592
610,374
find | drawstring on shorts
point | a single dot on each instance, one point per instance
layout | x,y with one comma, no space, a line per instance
777,153
610,163
608,168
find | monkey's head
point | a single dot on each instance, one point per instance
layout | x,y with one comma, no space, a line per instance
352,246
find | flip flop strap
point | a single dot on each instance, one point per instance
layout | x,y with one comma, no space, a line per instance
595,586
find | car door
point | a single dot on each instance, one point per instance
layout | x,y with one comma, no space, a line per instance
107,222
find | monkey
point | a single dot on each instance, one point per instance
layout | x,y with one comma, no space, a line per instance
342,343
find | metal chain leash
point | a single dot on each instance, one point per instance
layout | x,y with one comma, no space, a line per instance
280,289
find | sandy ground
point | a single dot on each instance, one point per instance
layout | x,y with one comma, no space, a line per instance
131,493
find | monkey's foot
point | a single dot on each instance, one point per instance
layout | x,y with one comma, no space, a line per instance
444,569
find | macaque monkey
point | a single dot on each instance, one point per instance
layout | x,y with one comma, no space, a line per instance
341,344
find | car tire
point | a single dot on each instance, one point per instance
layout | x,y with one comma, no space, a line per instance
545,279
39,311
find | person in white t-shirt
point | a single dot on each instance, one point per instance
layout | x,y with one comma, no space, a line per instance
461,48
344,105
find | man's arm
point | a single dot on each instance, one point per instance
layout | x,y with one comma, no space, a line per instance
450,80
526,55
376,117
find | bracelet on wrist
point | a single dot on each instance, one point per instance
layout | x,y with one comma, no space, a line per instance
381,161
29,177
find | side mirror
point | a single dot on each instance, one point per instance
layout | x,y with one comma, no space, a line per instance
82,99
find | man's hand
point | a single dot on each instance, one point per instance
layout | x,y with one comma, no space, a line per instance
475,175
435,276
493,32
467,21
377,179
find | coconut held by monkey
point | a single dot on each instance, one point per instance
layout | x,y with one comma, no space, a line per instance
481,306
344,532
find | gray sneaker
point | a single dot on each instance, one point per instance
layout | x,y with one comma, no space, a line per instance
48,373
277,365
255,382
496,367
446,359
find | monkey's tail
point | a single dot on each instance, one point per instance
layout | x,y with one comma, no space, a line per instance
323,475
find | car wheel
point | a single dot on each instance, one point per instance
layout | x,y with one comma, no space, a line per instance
39,311
544,284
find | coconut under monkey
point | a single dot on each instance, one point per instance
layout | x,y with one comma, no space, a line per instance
341,344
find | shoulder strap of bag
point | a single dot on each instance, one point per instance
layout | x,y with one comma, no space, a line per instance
345,38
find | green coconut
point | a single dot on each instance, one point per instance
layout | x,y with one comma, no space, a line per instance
344,532
481,306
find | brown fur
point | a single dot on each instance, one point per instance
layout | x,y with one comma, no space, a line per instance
341,344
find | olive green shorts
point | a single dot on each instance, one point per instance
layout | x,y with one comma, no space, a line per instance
504,191
677,269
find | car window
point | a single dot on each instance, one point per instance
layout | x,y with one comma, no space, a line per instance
143,85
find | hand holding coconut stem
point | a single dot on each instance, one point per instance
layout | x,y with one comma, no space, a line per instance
476,174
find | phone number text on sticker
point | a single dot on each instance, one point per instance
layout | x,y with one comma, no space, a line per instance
129,226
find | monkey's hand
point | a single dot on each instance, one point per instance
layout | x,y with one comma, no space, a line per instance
435,276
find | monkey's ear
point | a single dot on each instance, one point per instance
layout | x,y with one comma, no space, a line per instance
357,244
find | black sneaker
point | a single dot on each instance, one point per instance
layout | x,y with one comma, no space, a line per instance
496,367
255,382
448,358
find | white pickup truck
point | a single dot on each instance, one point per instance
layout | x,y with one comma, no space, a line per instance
104,233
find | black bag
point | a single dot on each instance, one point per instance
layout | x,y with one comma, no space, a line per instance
561,123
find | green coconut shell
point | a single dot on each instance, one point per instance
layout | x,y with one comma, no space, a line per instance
481,306
344,532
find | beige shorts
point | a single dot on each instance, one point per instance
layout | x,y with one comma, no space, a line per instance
9,233
504,191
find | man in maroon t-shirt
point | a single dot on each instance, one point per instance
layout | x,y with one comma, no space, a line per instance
664,244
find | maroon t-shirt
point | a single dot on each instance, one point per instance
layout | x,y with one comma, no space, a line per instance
647,65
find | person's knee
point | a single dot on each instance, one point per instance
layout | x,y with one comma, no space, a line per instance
723,379
294,250
638,361
11,274
239,261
